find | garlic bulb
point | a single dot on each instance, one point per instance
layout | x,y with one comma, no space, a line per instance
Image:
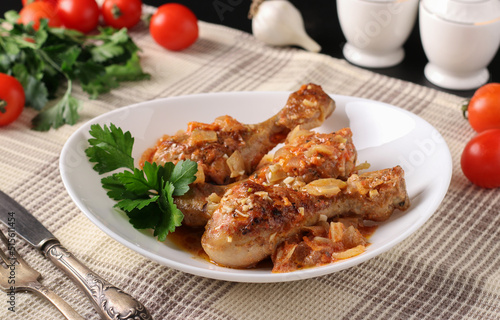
279,23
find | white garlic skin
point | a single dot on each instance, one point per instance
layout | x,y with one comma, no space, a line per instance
279,23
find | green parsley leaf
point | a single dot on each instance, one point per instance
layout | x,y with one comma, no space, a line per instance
56,57
132,204
111,149
183,175
116,189
130,70
35,91
134,181
147,195
145,218
64,111
172,217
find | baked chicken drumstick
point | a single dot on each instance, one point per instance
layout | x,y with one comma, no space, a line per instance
252,219
305,156
227,150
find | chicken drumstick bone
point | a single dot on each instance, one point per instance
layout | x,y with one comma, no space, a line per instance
227,150
252,219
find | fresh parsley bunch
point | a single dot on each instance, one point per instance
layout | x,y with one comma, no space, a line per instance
48,59
146,196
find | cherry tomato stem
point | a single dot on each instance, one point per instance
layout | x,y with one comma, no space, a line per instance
121,13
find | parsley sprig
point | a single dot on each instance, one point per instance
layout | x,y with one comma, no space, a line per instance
146,195
50,60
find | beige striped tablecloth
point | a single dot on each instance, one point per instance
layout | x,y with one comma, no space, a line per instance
448,269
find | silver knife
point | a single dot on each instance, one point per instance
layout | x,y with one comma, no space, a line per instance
109,301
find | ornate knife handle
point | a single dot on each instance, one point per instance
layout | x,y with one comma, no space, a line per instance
109,301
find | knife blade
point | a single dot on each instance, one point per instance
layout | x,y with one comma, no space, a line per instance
109,301
30,229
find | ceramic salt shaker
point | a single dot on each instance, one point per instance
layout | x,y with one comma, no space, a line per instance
460,38
376,30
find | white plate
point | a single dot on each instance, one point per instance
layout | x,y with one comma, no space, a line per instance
384,135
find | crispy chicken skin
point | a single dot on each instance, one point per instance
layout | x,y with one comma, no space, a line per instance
306,156
211,145
253,219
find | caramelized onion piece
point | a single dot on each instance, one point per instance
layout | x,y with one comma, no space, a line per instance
212,203
362,166
349,253
296,133
318,149
200,175
275,174
199,136
325,187
236,164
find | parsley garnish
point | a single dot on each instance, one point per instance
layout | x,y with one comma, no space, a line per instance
49,61
146,195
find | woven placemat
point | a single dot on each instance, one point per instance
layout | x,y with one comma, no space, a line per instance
448,269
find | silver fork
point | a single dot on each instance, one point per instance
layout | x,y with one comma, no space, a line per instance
19,276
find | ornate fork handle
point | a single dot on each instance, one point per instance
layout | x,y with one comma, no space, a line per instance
110,301
57,301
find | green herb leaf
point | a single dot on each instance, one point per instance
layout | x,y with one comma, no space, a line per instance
134,181
147,195
116,189
183,175
106,51
52,58
110,149
129,71
145,218
172,217
35,91
65,111
132,204
11,16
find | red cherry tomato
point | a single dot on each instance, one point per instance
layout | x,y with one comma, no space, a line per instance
81,15
121,13
481,159
35,11
174,26
12,99
484,108
25,2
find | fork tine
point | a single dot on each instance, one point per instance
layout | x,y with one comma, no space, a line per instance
2,253
27,280
20,261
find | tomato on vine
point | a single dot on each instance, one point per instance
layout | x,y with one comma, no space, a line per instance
81,15
174,26
121,13
12,99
